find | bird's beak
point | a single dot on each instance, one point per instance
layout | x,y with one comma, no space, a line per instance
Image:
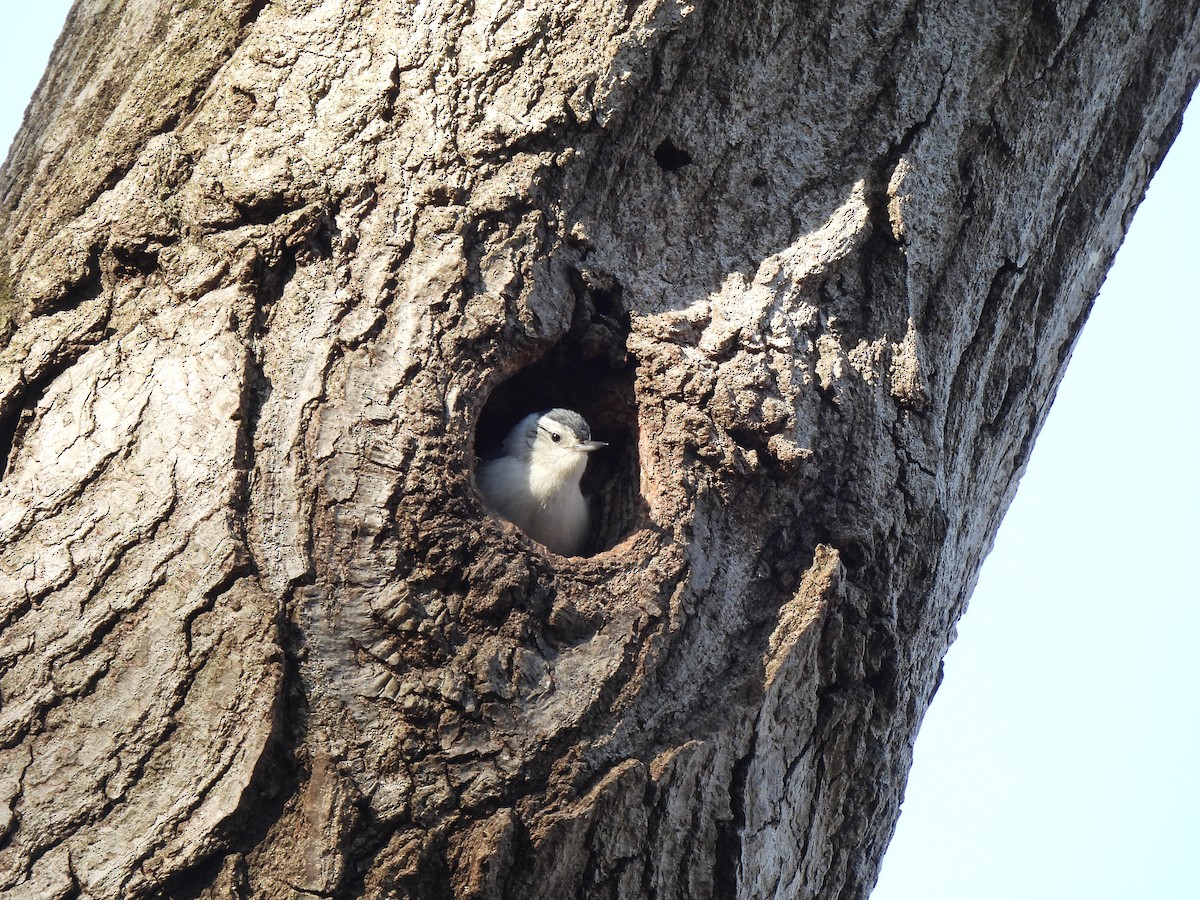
589,446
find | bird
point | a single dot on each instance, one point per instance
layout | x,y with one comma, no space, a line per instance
535,484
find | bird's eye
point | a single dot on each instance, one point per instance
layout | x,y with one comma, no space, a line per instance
555,436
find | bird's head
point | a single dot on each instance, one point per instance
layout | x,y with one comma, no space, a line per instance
557,439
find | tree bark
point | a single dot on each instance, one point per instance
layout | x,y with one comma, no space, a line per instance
277,271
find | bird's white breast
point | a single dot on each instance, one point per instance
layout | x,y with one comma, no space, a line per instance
541,497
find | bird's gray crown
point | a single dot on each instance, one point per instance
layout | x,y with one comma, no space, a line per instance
572,420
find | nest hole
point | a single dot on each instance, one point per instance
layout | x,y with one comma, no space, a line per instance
591,372
671,158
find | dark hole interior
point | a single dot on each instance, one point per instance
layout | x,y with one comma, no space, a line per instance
591,372
669,157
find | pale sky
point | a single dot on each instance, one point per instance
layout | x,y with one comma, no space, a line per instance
1061,757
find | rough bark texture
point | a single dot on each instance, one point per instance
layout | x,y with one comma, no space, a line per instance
274,271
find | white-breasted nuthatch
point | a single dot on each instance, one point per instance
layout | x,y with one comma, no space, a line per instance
535,485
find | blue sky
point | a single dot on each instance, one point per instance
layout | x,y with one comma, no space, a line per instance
1061,757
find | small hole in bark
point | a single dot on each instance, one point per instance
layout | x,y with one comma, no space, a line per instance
131,262
671,158
590,372
252,13
20,416
854,555
12,425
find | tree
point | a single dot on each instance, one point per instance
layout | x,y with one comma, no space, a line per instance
277,271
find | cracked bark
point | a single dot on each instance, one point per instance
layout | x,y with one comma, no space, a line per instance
274,271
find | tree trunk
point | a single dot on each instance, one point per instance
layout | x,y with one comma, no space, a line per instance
278,271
